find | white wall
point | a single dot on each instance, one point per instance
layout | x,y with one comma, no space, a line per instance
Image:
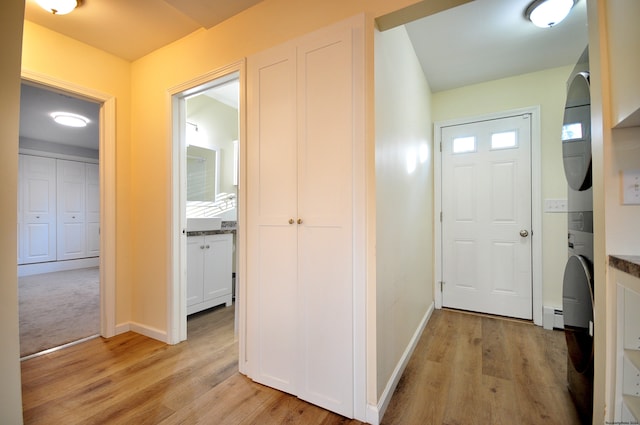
404,198
219,123
546,89
623,221
11,20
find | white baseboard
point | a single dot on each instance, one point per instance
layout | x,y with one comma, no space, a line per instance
57,266
122,328
375,413
552,318
149,331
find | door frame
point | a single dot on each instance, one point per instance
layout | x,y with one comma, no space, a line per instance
177,276
107,164
536,201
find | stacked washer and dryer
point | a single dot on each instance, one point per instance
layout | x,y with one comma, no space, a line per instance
577,291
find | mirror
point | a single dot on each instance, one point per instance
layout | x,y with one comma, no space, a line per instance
202,174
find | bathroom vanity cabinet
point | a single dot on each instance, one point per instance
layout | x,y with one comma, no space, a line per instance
209,275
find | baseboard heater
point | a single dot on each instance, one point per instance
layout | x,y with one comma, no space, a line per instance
552,318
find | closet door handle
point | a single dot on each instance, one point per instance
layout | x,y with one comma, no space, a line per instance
291,221
299,221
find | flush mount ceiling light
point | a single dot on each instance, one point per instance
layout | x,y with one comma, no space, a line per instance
69,119
59,7
547,13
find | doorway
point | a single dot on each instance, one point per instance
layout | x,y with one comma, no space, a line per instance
484,190
72,243
207,220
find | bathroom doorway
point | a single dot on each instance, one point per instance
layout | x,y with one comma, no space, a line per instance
207,220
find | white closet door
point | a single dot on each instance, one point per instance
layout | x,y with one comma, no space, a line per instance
325,257
300,215
71,209
271,215
92,210
37,230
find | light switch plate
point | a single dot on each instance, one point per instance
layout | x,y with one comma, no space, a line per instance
631,187
555,205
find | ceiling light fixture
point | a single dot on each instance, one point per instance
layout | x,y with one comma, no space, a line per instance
59,7
69,119
547,13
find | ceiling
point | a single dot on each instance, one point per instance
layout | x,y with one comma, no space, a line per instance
131,29
478,41
485,40
36,106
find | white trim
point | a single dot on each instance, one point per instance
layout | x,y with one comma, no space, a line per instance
359,226
148,331
122,328
56,155
177,277
376,413
57,266
107,164
536,201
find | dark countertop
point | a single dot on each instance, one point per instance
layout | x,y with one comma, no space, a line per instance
627,263
226,227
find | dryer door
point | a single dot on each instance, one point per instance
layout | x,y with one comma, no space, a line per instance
576,133
577,310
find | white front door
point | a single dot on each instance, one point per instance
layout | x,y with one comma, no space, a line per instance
486,216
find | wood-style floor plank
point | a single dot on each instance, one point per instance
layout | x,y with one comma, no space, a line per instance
474,369
466,369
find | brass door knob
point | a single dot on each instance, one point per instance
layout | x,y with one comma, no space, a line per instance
299,221
290,221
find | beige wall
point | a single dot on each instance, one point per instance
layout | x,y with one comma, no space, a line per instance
404,198
546,89
62,58
11,36
269,23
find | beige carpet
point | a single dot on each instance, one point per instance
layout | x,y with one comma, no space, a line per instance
58,308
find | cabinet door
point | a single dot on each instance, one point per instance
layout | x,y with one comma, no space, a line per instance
195,269
71,240
37,230
272,239
325,181
217,266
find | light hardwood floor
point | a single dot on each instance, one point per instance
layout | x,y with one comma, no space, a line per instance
466,369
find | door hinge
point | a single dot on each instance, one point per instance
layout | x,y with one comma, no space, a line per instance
441,285
440,216
440,146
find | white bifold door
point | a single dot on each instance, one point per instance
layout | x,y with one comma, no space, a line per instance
78,210
36,209
300,179
486,216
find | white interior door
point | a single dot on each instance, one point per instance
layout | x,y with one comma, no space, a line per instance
37,230
71,176
486,216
